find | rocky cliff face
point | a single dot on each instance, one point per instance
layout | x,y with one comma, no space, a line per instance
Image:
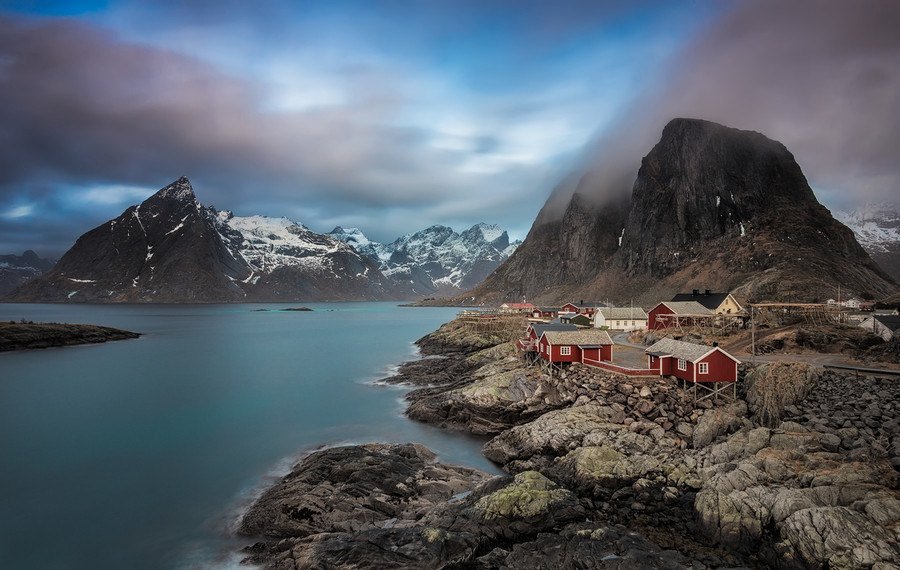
172,249
17,269
712,208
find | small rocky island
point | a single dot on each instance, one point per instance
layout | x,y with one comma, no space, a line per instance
29,335
604,471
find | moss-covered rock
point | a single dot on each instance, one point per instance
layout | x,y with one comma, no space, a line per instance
529,495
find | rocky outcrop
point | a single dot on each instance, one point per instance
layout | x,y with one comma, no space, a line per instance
348,489
711,207
394,506
782,493
24,336
820,490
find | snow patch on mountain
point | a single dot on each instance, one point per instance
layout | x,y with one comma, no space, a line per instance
877,226
877,229
267,244
436,259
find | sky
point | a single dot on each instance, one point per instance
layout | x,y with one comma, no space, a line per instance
393,116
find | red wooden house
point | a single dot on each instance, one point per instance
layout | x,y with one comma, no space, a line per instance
581,308
529,343
678,313
545,313
564,347
511,308
696,363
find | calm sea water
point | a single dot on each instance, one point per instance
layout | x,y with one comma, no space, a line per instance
142,453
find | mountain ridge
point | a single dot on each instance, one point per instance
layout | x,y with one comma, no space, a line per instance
712,207
436,260
172,249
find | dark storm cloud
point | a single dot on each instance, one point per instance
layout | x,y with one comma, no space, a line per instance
821,77
82,108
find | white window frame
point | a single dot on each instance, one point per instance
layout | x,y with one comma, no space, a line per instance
682,364
565,351
703,368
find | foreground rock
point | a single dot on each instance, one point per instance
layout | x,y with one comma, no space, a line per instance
817,491
23,336
393,506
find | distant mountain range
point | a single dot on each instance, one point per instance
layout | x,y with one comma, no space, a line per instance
17,269
712,207
877,228
436,260
173,249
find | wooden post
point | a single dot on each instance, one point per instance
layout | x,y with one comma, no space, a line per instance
752,336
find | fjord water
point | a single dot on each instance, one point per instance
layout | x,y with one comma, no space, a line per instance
140,453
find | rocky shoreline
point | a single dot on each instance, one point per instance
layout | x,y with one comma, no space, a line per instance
25,336
604,472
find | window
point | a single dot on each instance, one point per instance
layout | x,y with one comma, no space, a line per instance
565,351
682,365
703,368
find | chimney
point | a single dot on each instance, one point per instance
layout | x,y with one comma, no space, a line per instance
715,344
707,292
696,292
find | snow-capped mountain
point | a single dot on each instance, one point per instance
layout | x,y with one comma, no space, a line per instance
436,260
172,249
877,228
17,269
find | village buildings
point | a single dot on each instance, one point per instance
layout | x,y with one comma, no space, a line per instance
581,308
678,313
718,303
514,308
692,362
567,346
620,318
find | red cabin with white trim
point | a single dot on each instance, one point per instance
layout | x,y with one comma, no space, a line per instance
692,362
575,346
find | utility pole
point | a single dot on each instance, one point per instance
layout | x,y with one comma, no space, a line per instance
752,336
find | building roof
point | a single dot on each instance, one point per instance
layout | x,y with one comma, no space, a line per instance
583,337
587,304
705,298
686,308
547,309
891,322
622,312
580,318
541,328
679,349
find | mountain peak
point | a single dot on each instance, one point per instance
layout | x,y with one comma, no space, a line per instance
181,189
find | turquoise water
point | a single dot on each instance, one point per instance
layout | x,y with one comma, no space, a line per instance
142,453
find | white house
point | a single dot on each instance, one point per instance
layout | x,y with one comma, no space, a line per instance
620,318
882,325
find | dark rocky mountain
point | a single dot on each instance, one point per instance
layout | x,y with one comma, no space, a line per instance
172,249
17,269
712,208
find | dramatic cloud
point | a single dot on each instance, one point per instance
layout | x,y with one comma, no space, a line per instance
394,116
821,77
